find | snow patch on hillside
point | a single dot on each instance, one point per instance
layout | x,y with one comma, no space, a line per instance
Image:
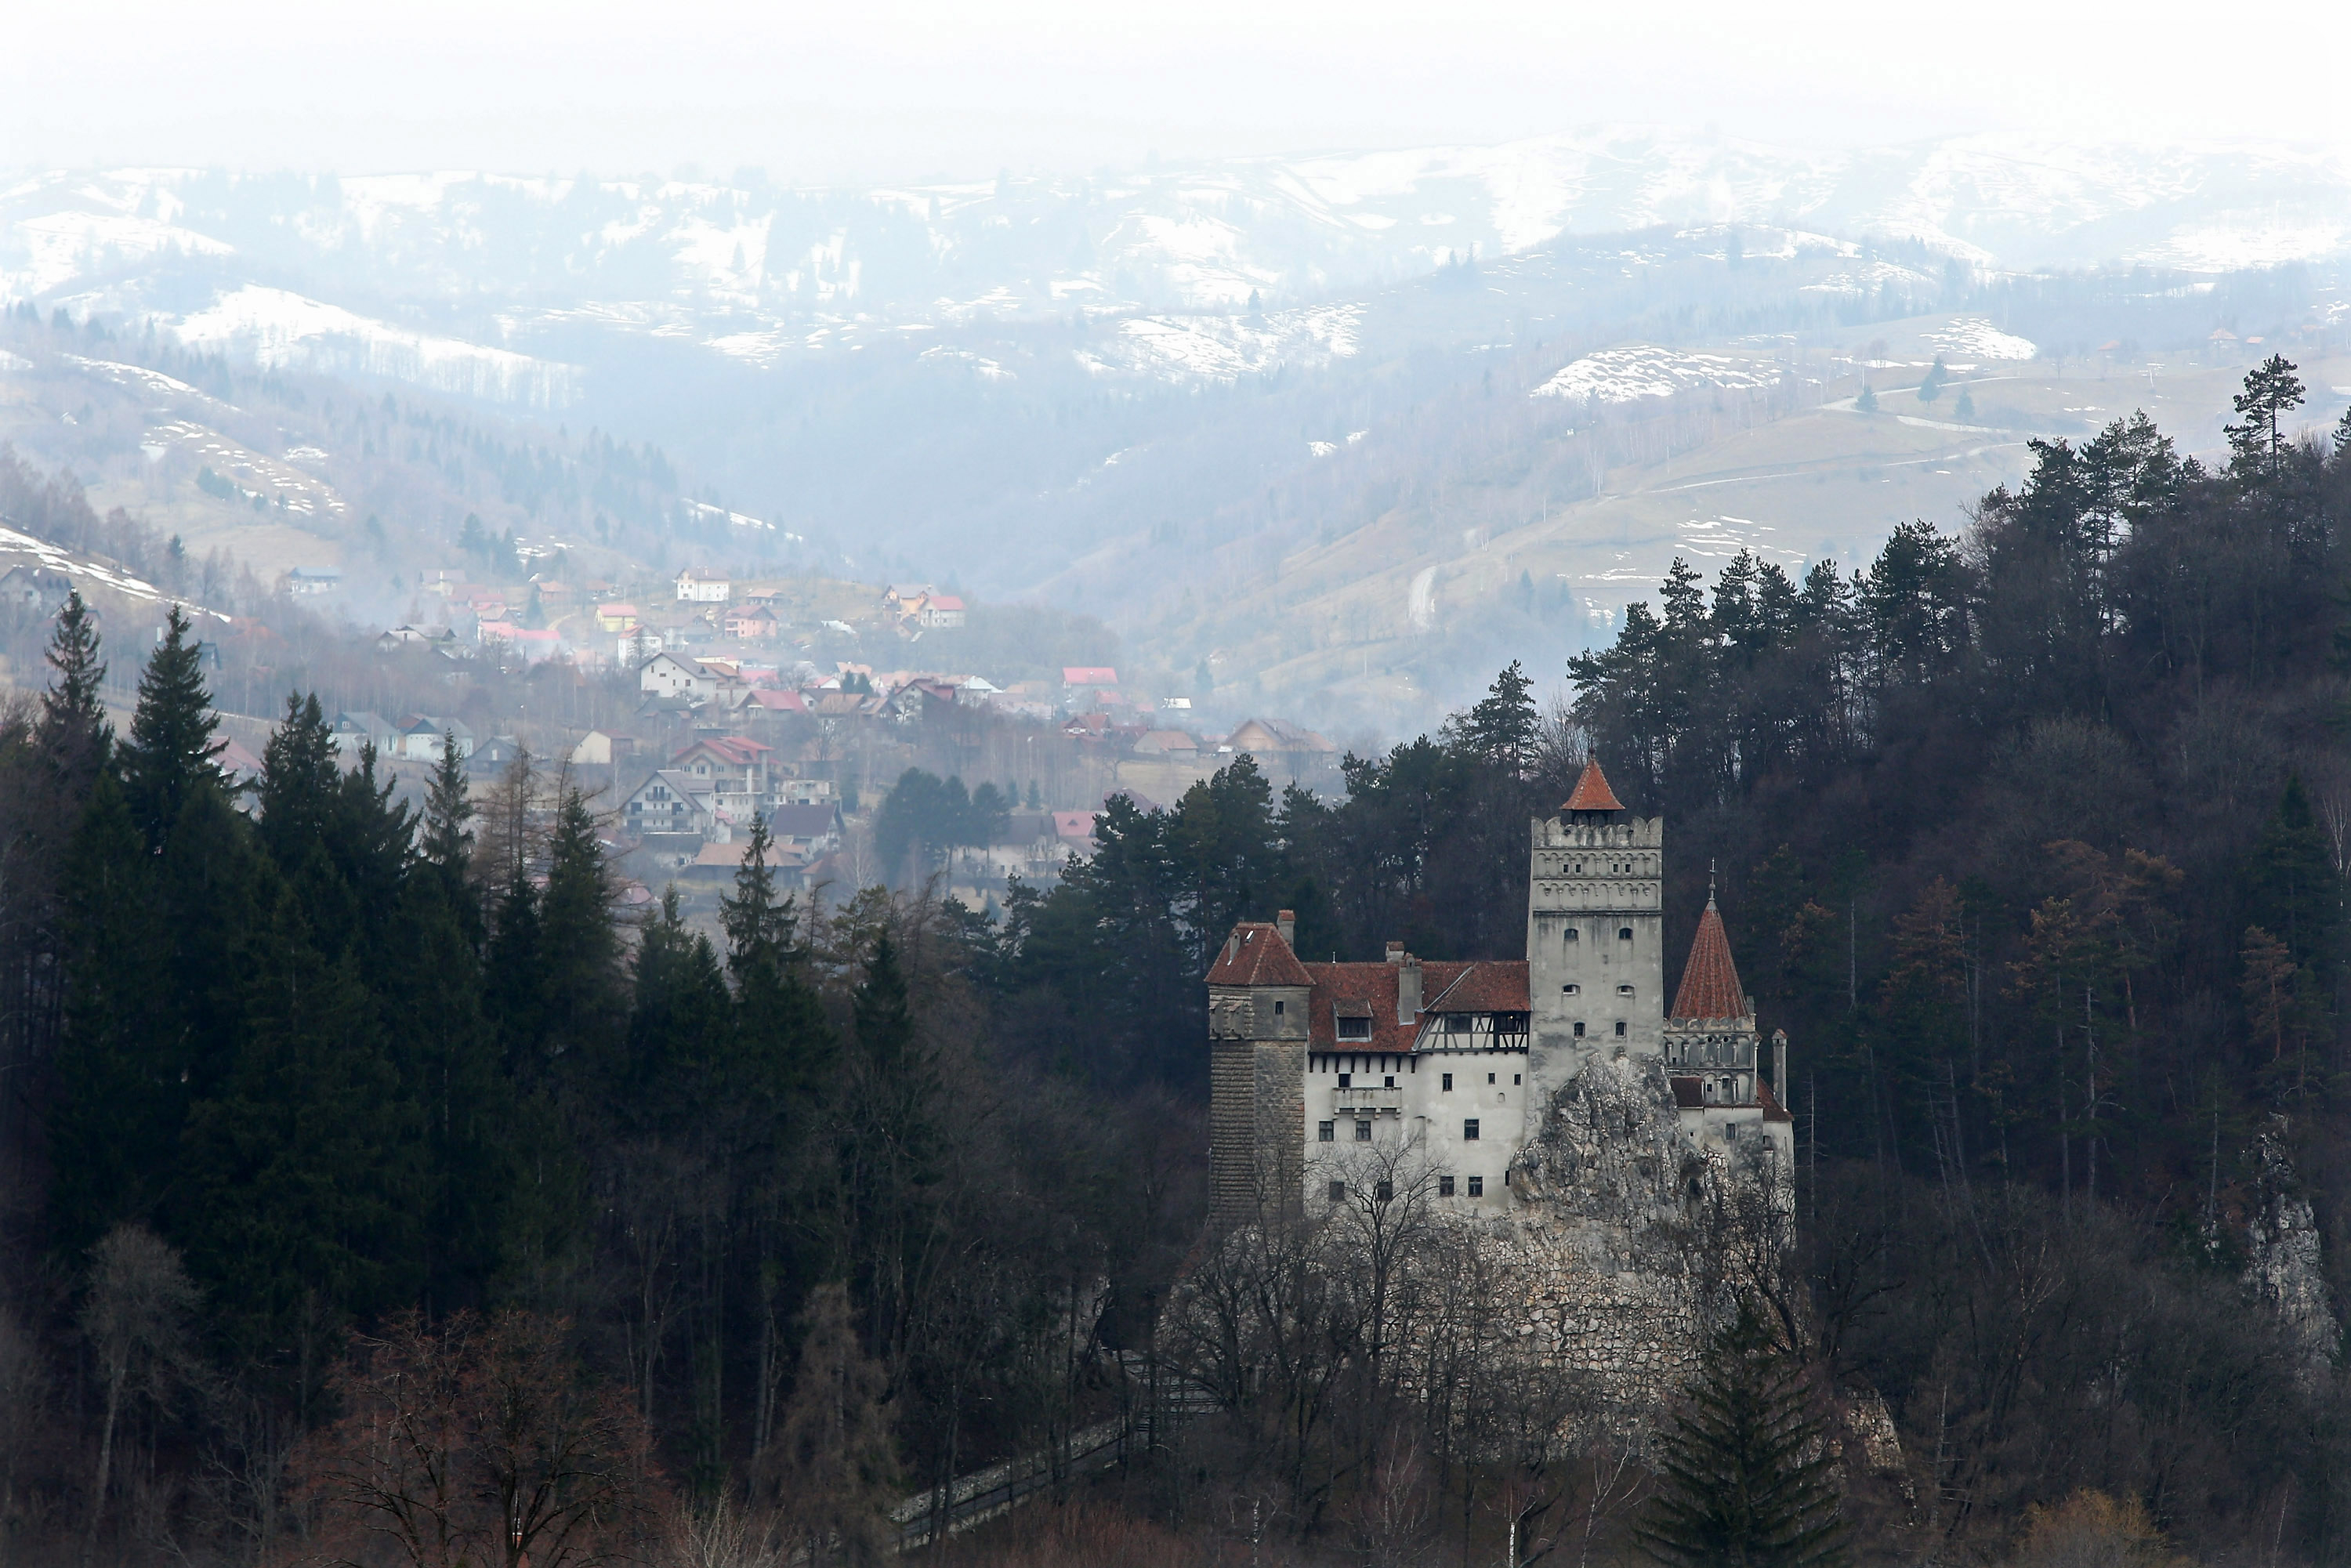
55,249
1973,335
1224,348
277,329
1643,370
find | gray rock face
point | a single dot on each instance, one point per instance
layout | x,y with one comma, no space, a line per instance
2284,1265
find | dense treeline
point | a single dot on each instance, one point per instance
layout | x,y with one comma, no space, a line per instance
325,1064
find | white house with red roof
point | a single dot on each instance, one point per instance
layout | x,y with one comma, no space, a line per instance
1445,1073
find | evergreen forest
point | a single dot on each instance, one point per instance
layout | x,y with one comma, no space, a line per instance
377,1192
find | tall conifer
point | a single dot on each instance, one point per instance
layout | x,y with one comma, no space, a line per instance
172,744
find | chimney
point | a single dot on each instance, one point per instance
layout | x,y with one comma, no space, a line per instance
1232,943
1779,1067
1395,952
1286,921
1408,987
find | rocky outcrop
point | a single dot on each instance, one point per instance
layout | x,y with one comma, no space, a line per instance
2284,1265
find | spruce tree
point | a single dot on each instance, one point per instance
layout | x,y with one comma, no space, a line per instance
170,758
1867,403
1502,726
1744,1468
2295,891
779,1027
72,730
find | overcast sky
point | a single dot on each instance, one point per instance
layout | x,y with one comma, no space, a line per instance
890,89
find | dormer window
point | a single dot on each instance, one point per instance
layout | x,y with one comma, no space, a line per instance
1359,1027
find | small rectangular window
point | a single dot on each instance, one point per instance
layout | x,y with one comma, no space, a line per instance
1469,1131
1279,1004
1621,990
1445,1186
1573,934
1338,1192
1383,1192
1449,1083
1570,990
1579,1034
1343,1079
1490,1078
1326,1131
1624,933
1620,1028
1477,1186
1514,1079
1363,1132
1355,1028
1389,1081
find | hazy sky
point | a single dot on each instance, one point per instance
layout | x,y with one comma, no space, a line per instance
884,90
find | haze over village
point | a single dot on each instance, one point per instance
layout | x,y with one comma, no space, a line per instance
1029,785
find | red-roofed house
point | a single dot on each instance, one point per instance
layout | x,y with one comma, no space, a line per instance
940,611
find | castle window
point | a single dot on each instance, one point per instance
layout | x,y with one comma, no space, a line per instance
1573,934
1389,1081
1383,1192
1621,990
1355,1028
1579,1031
1469,1131
1620,1028
1277,1006
1345,1078
1449,1083
1445,1186
1570,990
1490,1078
1363,1132
1338,1192
1624,933
1514,1079
1326,1131
1477,1186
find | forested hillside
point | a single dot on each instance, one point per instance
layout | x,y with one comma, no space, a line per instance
325,1122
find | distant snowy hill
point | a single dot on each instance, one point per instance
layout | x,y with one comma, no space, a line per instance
485,284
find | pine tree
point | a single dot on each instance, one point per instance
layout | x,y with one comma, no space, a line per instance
778,1025
170,758
1501,726
2257,441
1965,409
1744,1472
1867,402
1931,388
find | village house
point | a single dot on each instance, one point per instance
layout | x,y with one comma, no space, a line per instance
616,617
940,611
734,768
811,830
697,585
1083,684
422,736
670,802
752,623
666,674
33,590
599,750
354,732
310,581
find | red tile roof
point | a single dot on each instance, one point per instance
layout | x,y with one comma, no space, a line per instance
1773,1110
1255,955
1353,991
1686,1094
1592,791
1710,980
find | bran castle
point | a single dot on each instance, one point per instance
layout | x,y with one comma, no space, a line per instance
1554,1101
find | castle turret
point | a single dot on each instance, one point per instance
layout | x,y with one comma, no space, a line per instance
1713,1051
1257,1005
1595,935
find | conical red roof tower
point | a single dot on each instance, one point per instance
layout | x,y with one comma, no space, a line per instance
1592,791
1710,980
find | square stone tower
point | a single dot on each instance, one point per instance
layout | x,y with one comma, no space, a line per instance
1595,936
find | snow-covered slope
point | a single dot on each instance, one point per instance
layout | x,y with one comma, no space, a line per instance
463,280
